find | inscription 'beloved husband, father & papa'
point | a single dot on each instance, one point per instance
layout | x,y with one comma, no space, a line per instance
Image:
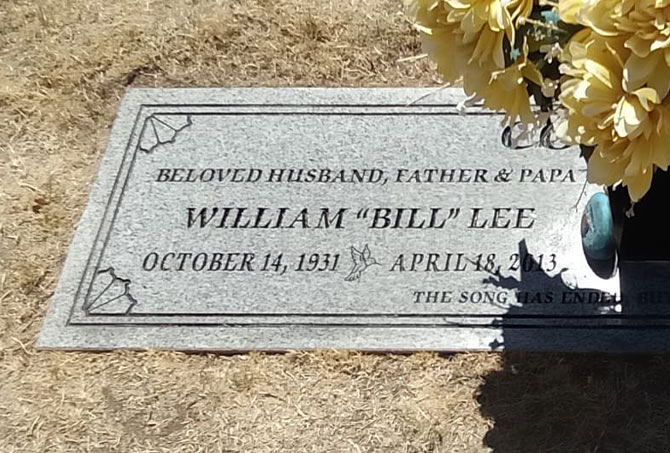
364,176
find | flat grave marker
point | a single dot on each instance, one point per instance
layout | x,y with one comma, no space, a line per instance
275,219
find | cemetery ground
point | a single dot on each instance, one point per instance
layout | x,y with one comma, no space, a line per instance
63,69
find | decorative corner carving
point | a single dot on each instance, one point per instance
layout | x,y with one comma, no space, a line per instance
161,129
109,294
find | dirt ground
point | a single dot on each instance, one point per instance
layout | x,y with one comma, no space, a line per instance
63,68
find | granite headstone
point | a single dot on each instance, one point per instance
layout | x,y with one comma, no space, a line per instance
372,219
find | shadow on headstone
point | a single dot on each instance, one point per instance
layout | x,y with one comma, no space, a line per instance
564,402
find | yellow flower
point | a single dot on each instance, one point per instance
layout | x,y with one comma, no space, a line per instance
465,38
645,26
629,129
506,89
441,39
459,32
645,23
601,15
486,23
568,9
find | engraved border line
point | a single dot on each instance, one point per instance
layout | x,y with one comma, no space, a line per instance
110,225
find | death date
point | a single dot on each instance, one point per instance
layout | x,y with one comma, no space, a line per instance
481,262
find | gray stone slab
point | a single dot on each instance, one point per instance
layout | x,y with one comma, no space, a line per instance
374,219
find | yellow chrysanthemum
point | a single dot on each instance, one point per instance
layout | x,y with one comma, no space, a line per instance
505,89
441,39
465,38
645,23
568,9
459,32
645,27
629,128
486,23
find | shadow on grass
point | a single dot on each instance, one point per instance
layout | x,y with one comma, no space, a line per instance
552,402
578,403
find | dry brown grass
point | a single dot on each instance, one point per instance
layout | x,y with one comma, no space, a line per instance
63,69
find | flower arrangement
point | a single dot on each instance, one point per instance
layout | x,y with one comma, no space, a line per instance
597,70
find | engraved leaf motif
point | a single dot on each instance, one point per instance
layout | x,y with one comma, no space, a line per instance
519,136
109,294
161,129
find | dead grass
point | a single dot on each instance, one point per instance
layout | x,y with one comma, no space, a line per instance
63,69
